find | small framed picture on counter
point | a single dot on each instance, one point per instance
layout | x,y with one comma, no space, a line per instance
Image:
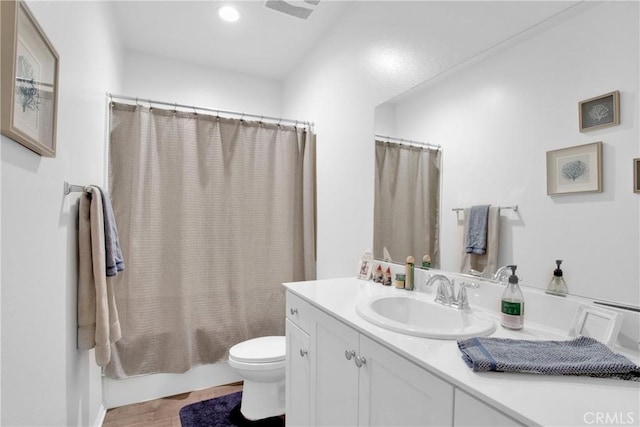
597,323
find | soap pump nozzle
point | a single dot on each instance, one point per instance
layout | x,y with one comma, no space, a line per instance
513,278
558,271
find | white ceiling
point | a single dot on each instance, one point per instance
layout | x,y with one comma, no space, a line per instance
267,43
263,42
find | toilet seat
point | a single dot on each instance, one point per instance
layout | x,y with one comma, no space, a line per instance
260,350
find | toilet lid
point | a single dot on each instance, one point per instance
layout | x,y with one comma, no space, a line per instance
260,350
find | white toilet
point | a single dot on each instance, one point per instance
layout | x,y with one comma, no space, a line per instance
261,363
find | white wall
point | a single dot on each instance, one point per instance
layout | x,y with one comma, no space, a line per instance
161,79
496,120
379,51
45,380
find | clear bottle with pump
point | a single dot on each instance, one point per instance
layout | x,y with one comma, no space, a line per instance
557,285
512,306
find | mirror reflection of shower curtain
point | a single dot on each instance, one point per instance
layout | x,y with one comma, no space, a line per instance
214,214
407,202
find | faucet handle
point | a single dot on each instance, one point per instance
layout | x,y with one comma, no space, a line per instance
463,299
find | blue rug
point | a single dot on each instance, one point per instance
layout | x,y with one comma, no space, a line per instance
223,411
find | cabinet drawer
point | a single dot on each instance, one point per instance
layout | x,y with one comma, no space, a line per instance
298,311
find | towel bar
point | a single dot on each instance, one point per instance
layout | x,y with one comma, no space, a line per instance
70,188
513,208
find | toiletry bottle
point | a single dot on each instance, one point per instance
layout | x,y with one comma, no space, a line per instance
408,271
557,285
400,278
426,262
512,307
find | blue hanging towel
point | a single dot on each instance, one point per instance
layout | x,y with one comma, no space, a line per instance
113,253
477,229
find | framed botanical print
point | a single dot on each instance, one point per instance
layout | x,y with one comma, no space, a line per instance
29,80
599,112
575,169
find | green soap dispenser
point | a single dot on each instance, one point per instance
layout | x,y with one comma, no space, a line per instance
557,285
512,307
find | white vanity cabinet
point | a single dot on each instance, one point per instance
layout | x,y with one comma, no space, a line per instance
356,381
396,392
334,374
298,366
358,374
471,412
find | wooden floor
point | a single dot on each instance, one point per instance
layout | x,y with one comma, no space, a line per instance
163,412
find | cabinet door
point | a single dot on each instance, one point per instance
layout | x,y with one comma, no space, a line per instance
297,377
472,412
334,377
396,392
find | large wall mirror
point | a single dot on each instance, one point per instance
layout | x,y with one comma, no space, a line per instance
497,117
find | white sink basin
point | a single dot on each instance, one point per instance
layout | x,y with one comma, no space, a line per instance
416,314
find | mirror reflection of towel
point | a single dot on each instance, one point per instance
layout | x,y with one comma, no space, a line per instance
486,263
476,242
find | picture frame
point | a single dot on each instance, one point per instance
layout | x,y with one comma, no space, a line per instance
597,323
365,268
575,169
599,112
29,83
636,175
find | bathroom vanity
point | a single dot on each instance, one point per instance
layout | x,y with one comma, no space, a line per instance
345,370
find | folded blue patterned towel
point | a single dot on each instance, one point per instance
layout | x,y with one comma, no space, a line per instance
580,356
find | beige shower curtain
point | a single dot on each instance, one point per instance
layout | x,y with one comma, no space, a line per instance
213,215
406,203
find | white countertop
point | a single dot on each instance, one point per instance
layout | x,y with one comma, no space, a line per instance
529,398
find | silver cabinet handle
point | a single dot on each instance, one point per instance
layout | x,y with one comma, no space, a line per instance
303,353
293,311
349,354
360,361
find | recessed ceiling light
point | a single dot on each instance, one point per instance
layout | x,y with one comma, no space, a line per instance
229,13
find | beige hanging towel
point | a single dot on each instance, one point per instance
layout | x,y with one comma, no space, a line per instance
484,263
98,324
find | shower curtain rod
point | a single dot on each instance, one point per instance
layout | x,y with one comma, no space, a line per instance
407,141
175,105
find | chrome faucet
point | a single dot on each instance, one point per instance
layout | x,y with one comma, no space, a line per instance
445,293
